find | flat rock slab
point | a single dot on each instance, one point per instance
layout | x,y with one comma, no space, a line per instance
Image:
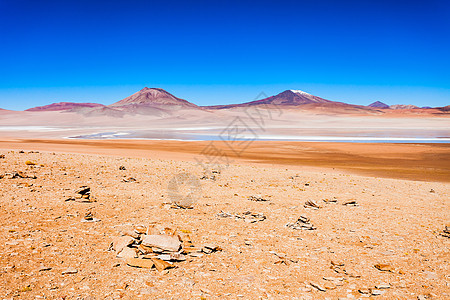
162,241
121,242
140,263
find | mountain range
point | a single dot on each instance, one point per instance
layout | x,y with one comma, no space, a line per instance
158,102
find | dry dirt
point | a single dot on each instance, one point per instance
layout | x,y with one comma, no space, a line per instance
396,226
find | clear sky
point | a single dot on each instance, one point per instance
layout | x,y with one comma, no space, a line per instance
219,52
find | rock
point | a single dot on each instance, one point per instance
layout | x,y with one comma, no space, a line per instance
144,249
350,203
83,190
247,216
30,163
383,286
122,168
161,264
69,271
89,217
131,233
172,257
311,204
303,223
129,179
446,232
432,191
211,248
120,243
384,267
257,198
364,291
44,268
140,229
195,254
162,241
140,263
376,292
127,253
318,286
332,200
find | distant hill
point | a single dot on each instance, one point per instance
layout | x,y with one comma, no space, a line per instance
403,106
60,106
378,104
286,98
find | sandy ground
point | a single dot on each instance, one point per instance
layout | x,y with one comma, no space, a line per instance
395,225
424,162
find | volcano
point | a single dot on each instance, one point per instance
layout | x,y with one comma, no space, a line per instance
153,97
378,104
286,98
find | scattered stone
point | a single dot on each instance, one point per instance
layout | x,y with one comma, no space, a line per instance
257,198
129,179
303,223
383,286
311,204
2,156
42,269
210,249
247,216
140,229
446,232
318,286
83,190
350,203
18,174
375,292
30,163
332,200
364,291
432,191
69,271
82,194
89,218
384,267
186,203
122,168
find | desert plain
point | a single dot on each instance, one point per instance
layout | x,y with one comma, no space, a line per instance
154,197
296,221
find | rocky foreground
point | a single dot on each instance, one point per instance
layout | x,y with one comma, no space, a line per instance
102,227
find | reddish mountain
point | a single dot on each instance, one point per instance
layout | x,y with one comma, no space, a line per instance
378,104
152,97
63,106
286,98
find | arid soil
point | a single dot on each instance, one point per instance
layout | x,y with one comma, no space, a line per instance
423,162
387,243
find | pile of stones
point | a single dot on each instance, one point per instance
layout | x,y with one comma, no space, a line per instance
157,247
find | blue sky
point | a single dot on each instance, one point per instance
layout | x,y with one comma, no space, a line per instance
211,52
